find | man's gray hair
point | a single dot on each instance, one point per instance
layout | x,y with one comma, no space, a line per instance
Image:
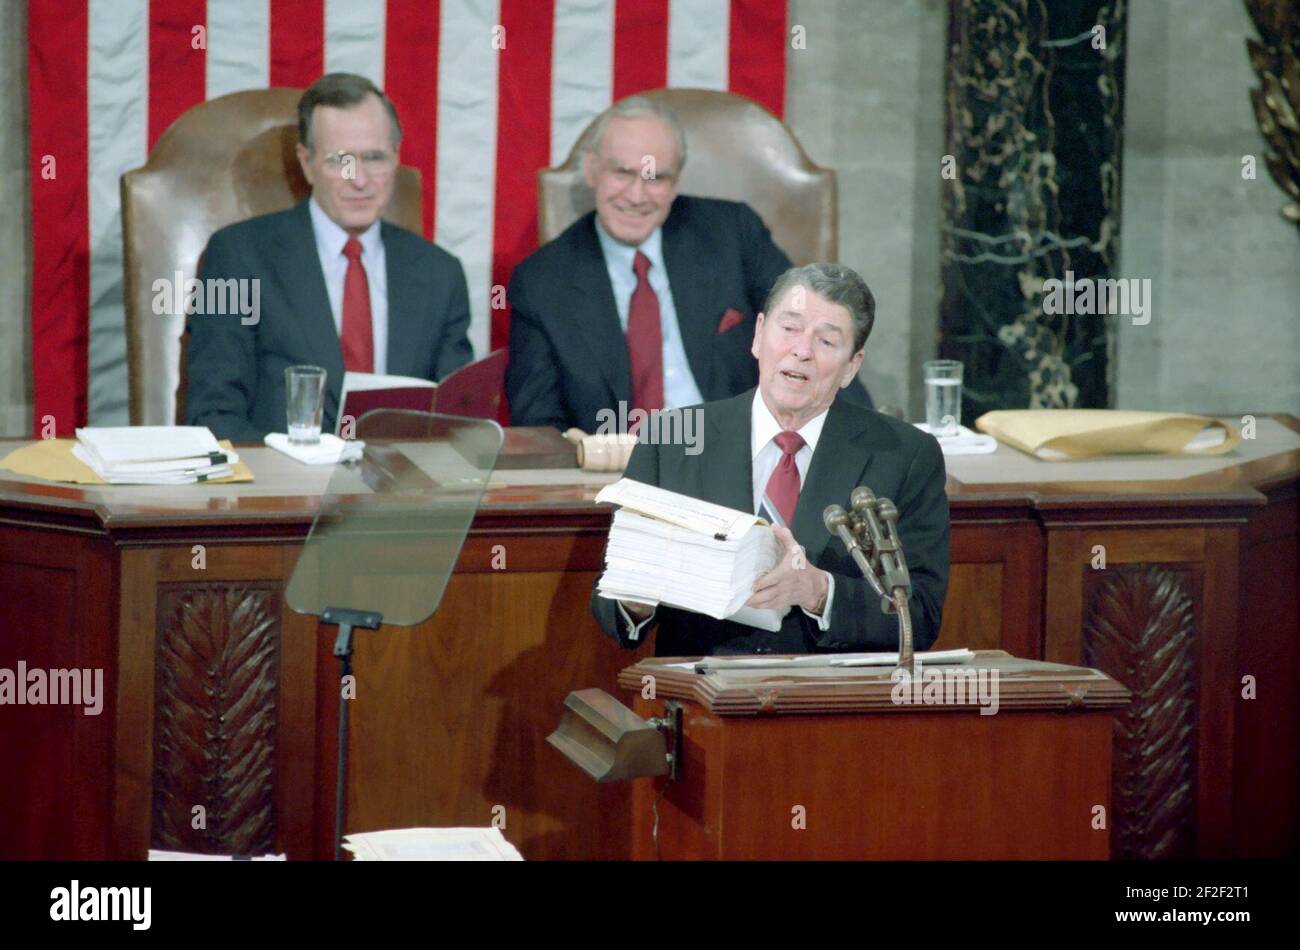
637,107
342,91
838,285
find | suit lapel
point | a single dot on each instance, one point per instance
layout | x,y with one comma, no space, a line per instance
686,261
837,466
729,478
595,314
407,286
304,283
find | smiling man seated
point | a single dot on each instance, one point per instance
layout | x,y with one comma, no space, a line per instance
339,288
793,443
650,299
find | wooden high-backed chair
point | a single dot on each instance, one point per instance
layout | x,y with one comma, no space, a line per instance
735,149
222,161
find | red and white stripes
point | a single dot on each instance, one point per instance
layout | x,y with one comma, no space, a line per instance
488,92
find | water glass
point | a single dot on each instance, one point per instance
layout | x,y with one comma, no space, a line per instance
304,390
942,397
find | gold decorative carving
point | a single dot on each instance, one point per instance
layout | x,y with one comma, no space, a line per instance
1276,61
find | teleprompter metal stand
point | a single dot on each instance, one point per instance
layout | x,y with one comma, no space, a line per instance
346,620
388,535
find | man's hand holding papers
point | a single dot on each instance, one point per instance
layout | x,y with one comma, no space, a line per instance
792,583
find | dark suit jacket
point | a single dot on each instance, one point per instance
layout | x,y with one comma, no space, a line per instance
568,351
236,372
857,447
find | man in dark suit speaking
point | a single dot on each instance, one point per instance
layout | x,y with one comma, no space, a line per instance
650,299
793,446
338,288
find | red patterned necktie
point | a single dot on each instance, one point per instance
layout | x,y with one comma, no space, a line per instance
783,486
357,338
645,342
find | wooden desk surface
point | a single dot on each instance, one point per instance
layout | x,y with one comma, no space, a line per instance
1198,584
810,690
287,493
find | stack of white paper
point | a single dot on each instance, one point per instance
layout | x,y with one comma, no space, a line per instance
154,455
822,660
432,844
158,855
666,548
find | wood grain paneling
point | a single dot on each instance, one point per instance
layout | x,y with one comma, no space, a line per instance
449,724
216,718
1266,762
972,617
462,702
1138,627
995,587
57,759
894,786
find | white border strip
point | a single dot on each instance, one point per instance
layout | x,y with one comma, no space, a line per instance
117,107
699,34
465,194
582,69
354,37
239,46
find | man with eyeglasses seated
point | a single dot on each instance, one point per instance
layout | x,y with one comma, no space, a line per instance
339,288
650,300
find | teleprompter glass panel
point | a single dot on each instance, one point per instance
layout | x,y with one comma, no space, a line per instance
390,547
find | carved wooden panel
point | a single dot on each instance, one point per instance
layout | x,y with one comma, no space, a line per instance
216,717
1139,627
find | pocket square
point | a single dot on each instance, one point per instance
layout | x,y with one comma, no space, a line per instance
732,317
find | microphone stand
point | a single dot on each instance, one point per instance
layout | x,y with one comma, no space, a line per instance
870,534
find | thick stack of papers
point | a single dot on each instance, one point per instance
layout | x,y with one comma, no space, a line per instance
666,548
154,455
432,844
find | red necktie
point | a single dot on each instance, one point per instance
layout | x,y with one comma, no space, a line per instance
357,338
783,486
645,342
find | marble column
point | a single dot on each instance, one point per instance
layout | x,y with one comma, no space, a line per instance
15,226
1031,193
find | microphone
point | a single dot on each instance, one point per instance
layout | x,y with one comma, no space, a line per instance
887,549
838,523
895,569
874,522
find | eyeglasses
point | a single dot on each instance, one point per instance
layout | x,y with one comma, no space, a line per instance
625,177
343,164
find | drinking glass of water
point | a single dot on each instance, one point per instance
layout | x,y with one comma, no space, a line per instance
304,391
942,397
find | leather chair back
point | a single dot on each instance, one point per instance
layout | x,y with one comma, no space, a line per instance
736,149
222,161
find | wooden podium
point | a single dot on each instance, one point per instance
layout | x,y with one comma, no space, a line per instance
822,763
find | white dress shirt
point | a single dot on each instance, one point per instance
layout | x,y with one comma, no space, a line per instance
765,454
330,239
680,388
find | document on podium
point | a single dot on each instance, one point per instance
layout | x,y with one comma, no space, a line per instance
432,844
667,548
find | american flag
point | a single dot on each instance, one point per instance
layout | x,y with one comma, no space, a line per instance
488,91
